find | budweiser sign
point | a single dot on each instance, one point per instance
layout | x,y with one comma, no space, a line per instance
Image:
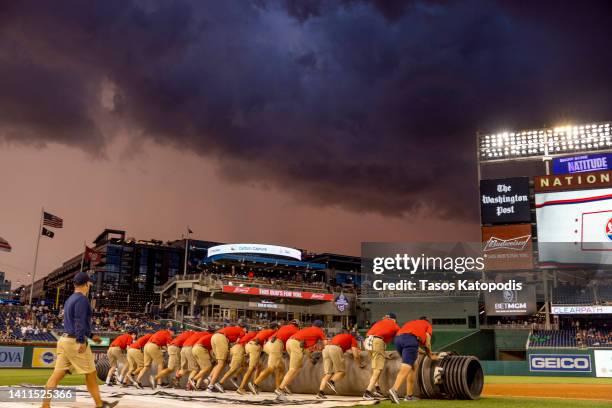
243,290
507,247
514,244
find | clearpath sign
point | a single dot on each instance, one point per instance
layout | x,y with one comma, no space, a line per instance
560,363
11,357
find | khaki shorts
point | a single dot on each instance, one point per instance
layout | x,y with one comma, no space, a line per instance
69,358
253,349
115,355
174,357
153,354
296,354
237,356
201,357
135,359
377,354
188,362
333,359
220,346
274,350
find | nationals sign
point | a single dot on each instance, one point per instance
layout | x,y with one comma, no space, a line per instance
242,290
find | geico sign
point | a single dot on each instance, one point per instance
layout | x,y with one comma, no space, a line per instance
560,362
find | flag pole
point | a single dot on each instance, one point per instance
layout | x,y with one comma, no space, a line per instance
83,256
42,211
186,253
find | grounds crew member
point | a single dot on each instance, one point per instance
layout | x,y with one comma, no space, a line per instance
174,354
253,350
221,341
116,354
377,338
73,353
135,358
201,352
333,360
237,354
299,344
153,354
274,348
188,362
407,341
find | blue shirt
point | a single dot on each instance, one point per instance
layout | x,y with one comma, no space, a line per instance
77,317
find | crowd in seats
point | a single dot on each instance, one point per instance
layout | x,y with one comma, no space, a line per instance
574,333
107,320
16,323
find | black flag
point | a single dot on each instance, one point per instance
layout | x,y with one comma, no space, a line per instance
48,233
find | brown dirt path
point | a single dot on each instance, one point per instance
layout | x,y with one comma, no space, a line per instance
572,391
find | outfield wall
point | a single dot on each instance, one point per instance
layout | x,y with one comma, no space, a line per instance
38,355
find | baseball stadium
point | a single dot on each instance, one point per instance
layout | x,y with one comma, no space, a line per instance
305,203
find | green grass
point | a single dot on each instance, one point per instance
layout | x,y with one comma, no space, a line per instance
501,379
499,403
36,376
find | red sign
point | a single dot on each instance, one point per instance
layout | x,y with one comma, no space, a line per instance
242,290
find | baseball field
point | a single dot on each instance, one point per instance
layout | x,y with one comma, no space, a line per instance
499,391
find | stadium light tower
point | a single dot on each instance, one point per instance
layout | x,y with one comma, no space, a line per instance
544,144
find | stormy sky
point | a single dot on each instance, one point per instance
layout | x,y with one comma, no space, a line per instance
316,124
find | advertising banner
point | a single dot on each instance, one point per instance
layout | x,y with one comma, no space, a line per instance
505,201
603,363
511,302
575,227
43,357
560,363
507,247
242,290
11,357
581,309
581,164
260,249
579,181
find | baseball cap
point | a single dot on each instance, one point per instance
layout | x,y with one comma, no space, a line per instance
295,322
391,315
81,278
317,323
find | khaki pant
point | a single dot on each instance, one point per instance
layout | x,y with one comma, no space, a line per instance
237,356
274,350
201,356
333,359
296,354
188,362
377,353
135,359
115,355
153,354
253,349
220,346
174,357
69,358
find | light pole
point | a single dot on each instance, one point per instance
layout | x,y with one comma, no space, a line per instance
543,144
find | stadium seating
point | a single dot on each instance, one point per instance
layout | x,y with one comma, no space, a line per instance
552,338
573,295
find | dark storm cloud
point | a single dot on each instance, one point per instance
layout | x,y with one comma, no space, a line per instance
371,106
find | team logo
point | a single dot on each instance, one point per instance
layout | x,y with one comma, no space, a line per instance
510,296
609,229
48,357
341,303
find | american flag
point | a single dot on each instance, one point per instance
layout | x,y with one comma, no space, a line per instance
51,220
